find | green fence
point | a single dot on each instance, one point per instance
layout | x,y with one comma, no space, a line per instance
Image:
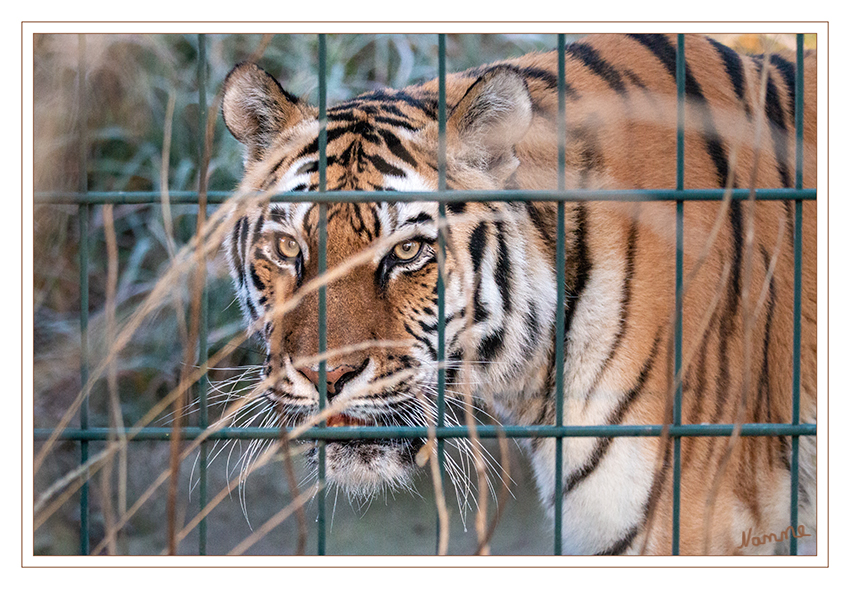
85,199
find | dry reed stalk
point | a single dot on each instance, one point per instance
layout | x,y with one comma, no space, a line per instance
237,205
115,417
263,459
212,242
505,464
273,522
223,221
748,316
292,481
674,379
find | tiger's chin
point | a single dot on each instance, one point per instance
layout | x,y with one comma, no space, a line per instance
365,468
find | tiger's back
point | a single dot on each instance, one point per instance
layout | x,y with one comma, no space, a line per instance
620,271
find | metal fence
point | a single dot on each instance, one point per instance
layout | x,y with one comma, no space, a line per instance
85,199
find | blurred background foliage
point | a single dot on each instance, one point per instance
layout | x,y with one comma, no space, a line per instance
128,82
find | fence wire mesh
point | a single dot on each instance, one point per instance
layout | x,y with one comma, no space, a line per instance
90,434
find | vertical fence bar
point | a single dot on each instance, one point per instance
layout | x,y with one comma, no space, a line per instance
83,186
441,256
798,279
322,262
680,227
559,305
203,343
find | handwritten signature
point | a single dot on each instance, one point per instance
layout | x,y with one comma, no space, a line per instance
747,537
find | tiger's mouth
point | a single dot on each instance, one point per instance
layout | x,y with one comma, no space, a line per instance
345,420
366,467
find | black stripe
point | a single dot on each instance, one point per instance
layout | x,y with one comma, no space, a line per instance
426,327
621,545
581,269
657,487
432,353
591,59
545,76
532,331
342,115
252,310
395,122
698,388
533,73
590,153
503,269
313,147
788,71
539,222
735,70
634,79
602,446
258,227
457,208
360,226
255,279
727,320
764,376
366,132
386,97
625,300
383,167
305,222
279,214
243,238
235,255
420,218
773,110
376,220
397,148
477,243
661,47
491,345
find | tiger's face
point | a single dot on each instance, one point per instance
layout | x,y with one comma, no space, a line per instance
381,257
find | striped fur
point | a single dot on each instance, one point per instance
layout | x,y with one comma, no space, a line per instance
500,281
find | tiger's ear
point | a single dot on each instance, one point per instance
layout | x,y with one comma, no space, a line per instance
493,115
256,109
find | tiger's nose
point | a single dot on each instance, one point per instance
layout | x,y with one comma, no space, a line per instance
335,378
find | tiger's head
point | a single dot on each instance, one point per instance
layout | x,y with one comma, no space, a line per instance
381,256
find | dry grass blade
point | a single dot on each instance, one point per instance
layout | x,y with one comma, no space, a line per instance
165,200
748,315
294,433
505,464
273,522
82,474
229,212
148,493
288,466
71,483
198,283
286,442
161,291
221,223
115,417
675,379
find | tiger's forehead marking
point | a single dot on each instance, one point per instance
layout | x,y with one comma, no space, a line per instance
367,149
356,223
378,218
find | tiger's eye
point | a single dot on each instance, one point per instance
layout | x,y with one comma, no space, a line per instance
288,247
407,250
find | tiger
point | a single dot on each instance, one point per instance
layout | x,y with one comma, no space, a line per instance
500,279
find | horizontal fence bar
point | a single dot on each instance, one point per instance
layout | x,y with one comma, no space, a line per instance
483,431
218,197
